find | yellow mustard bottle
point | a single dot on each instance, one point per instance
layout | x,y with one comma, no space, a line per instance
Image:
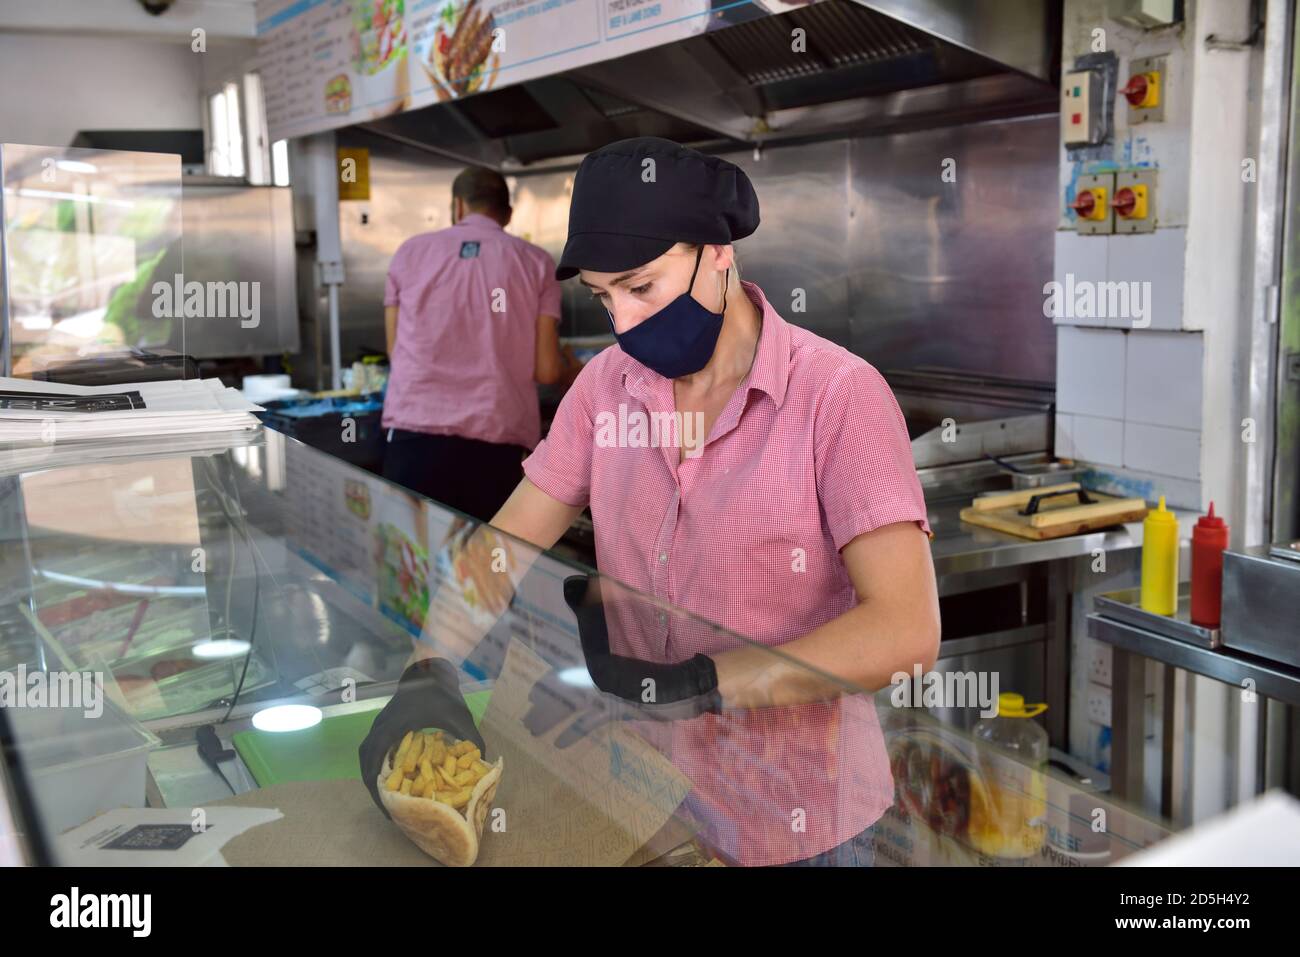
1160,561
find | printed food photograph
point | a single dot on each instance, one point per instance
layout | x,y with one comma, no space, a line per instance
480,572
378,35
357,497
338,94
402,567
381,81
460,59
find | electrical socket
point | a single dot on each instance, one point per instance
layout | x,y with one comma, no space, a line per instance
1099,664
1098,704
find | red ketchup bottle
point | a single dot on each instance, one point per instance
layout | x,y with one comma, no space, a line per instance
1209,539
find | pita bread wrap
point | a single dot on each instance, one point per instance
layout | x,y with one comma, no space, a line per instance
438,829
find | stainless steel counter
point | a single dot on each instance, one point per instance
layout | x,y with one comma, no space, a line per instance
959,547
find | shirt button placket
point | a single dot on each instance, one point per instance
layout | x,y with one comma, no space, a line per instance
661,569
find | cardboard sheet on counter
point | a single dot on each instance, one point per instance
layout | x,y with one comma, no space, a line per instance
156,837
607,800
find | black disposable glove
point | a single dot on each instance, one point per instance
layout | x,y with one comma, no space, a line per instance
428,696
679,692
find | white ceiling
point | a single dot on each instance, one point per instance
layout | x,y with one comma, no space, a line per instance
222,19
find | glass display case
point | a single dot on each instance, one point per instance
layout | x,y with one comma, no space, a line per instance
86,233
167,613
105,251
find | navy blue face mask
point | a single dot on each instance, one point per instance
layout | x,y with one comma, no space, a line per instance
680,338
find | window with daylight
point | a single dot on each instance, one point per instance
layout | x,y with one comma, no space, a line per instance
226,140
259,152
239,143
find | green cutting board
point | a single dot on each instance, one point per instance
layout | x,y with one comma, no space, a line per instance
325,752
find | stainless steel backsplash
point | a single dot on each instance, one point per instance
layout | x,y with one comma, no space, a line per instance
894,262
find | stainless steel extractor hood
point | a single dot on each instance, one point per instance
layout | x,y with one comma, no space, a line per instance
864,67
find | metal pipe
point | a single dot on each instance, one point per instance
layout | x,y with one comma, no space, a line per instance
6,330
323,167
336,373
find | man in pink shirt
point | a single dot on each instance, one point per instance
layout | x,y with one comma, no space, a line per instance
471,315
776,498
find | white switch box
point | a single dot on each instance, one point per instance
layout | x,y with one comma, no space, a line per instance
1081,106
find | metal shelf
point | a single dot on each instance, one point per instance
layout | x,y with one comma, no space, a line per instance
1271,679
1132,644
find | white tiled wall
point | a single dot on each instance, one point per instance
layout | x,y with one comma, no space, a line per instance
1155,258
1163,379
1084,257
1131,399
1154,261
1090,438
1090,378
1164,451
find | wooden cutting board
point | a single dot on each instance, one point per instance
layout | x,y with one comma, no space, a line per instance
1057,516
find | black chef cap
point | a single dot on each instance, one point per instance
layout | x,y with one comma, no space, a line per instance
634,199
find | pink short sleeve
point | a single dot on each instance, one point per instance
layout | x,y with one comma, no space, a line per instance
561,464
549,301
866,478
391,288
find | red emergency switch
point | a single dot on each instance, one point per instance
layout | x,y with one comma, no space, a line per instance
1143,90
1091,204
1125,202
1136,90
1130,202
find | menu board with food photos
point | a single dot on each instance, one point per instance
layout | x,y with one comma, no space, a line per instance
332,63
329,518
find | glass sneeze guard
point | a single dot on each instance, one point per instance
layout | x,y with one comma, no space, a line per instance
203,585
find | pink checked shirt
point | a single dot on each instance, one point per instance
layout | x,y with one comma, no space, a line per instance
810,452
468,299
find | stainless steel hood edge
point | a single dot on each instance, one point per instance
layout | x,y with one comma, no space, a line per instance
868,68
1014,33
868,73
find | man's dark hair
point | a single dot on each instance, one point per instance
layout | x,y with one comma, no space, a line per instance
482,190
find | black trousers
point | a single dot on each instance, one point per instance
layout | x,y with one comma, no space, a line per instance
465,474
